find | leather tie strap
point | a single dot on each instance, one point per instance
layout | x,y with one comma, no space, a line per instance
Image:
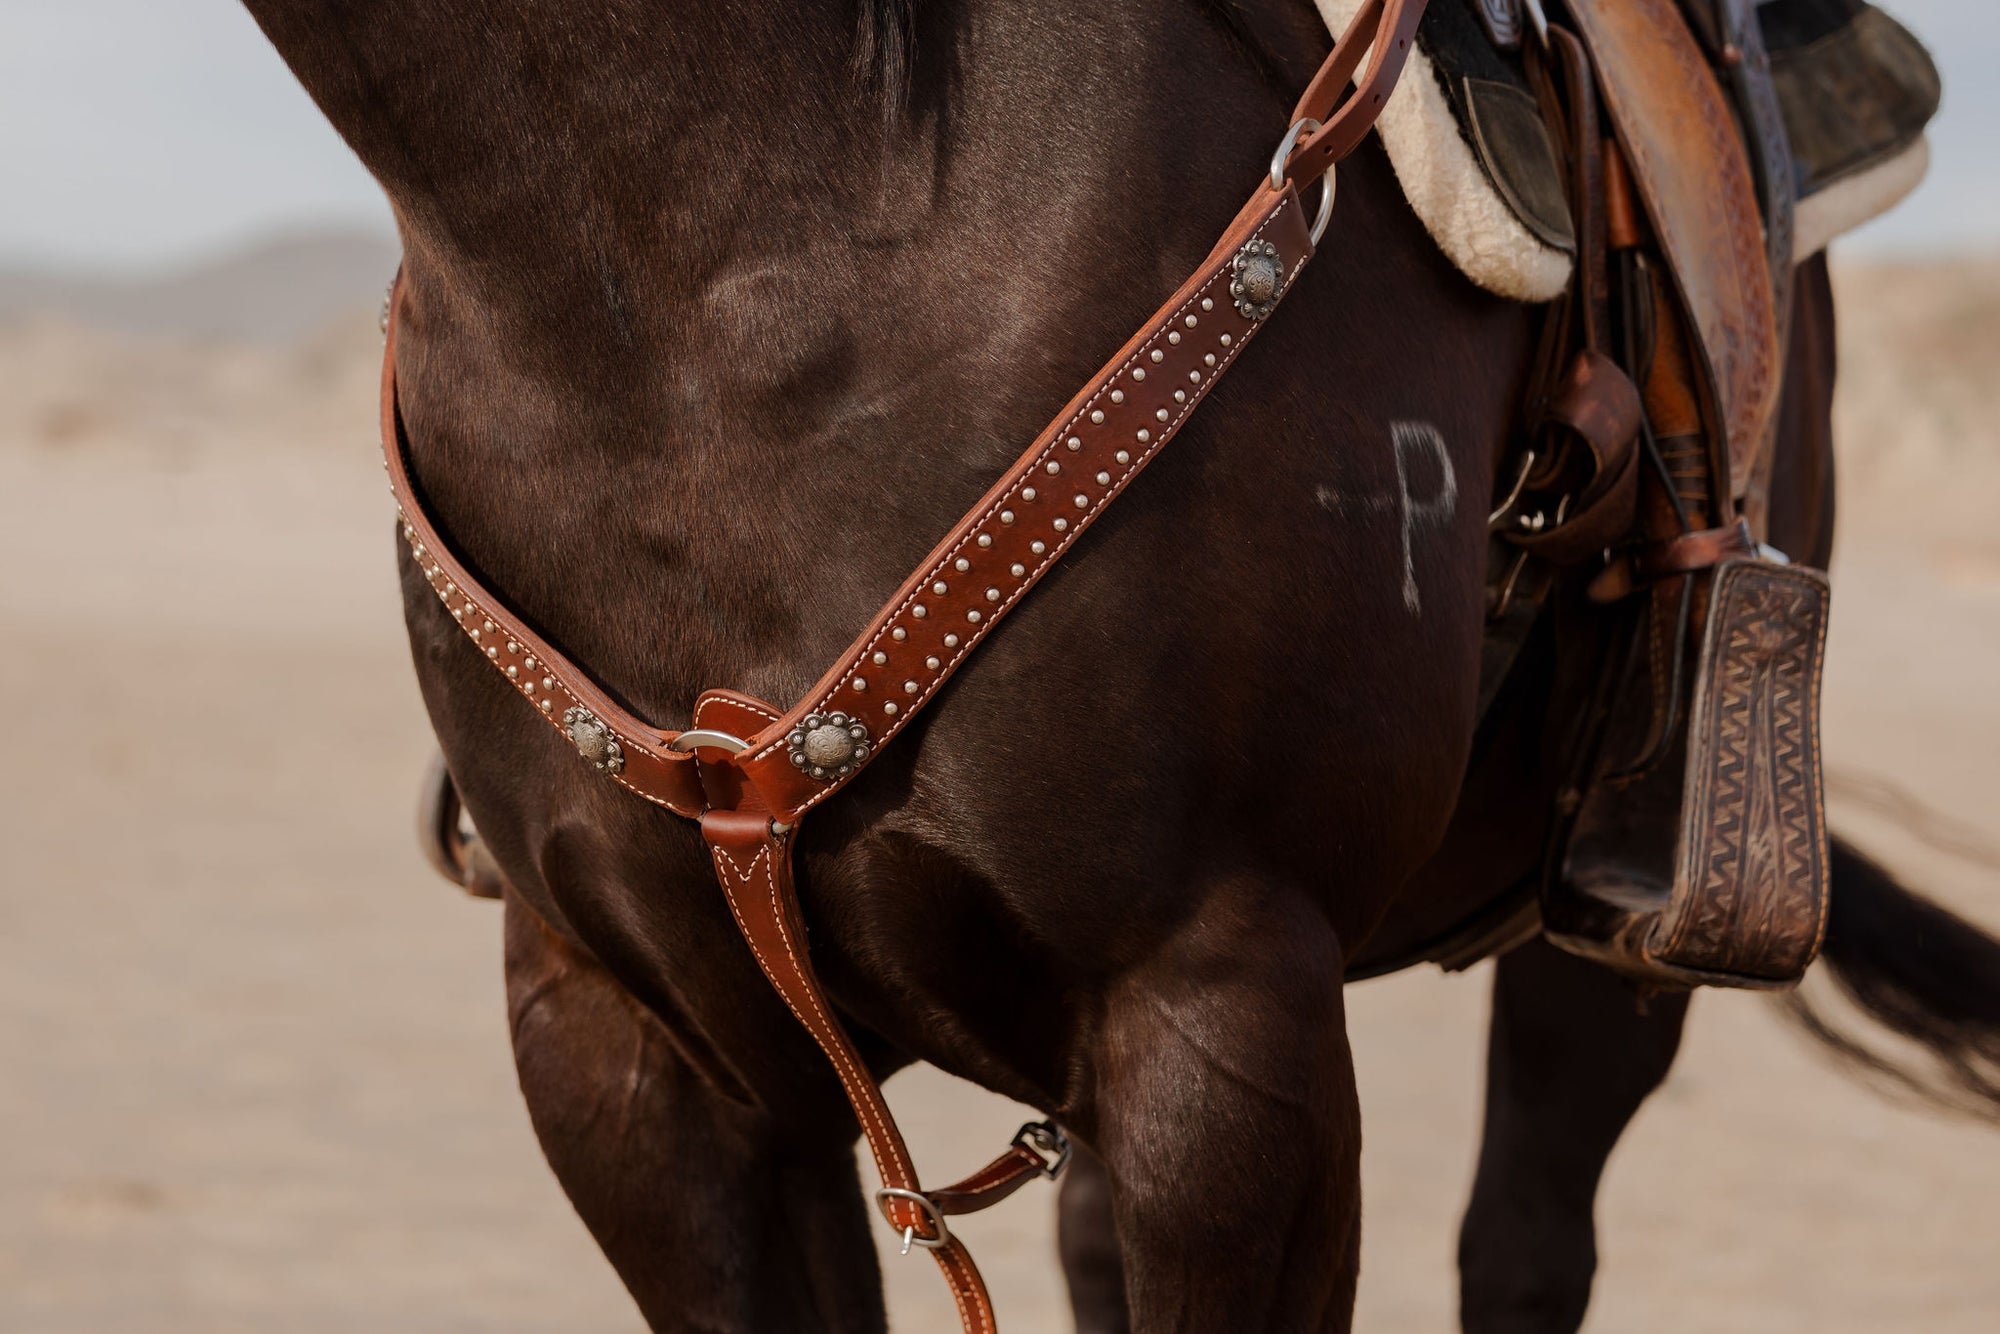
747,771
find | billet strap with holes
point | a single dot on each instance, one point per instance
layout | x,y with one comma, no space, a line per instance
748,772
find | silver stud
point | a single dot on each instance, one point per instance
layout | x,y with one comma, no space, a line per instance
1123,456
1163,414
548,683
512,671
1194,377
474,634
1097,417
1158,356
1104,479
513,647
1038,546
974,616
1138,372
899,634
920,611
1017,569
492,650
548,705
1192,321
1208,303
458,613
986,539
1006,516
1118,396
932,663
1062,525
1144,436
889,707
1028,493
939,588
1082,501
909,687
951,641
1208,360
1180,395
1074,444
879,658
992,595
860,683
1052,467
528,687
487,627
1227,340
961,565
1174,338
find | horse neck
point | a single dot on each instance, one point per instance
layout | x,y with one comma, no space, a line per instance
714,251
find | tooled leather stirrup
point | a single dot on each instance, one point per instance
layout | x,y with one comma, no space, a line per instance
749,772
1689,844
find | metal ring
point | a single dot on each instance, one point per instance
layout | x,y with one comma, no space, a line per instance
1045,1137
1301,127
926,1206
702,738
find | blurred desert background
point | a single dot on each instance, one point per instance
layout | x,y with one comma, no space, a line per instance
254,1071
256,1067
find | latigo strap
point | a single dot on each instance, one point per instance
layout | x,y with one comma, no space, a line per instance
748,772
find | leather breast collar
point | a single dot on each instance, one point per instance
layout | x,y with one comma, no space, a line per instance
748,772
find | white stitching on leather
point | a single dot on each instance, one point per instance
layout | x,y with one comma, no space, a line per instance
1062,543
823,1032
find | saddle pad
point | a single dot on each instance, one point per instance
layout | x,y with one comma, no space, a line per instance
1468,146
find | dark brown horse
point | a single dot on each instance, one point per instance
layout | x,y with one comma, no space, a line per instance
683,282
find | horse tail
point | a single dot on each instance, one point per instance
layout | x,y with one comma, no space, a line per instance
1929,976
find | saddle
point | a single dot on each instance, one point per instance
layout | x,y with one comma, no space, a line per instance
1477,163
1631,525
1688,844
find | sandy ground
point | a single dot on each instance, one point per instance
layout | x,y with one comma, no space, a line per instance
253,1068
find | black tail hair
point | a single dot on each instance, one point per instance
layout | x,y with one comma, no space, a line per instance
1925,974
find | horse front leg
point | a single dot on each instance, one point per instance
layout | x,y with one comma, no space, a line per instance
1227,1118
715,1217
1570,1057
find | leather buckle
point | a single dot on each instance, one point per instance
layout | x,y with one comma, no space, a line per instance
932,1215
1046,1141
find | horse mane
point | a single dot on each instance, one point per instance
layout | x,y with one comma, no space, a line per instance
885,50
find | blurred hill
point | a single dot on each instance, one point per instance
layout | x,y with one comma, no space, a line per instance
271,291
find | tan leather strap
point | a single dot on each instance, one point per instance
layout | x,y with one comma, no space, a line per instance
633,754
1343,125
1693,177
1079,464
749,797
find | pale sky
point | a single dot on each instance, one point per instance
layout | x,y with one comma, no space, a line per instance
144,132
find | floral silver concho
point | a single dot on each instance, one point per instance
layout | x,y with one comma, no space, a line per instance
1256,279
828,745
593,740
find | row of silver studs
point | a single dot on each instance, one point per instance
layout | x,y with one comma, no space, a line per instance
1028,495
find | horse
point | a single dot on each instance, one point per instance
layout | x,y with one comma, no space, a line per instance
714,318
